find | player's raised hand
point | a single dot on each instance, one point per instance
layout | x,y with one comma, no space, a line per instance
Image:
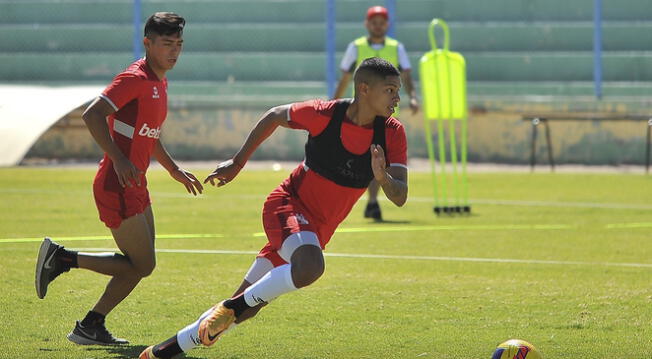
127,172
378,163
192,184
224,173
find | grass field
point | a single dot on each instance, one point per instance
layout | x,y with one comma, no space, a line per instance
563,261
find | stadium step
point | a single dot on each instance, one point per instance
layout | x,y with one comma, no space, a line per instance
252,37
294,91
519,10
483,96
290,66
511,41
310,11
561,89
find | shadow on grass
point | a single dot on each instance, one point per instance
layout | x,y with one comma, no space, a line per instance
434,216
126,351
389,221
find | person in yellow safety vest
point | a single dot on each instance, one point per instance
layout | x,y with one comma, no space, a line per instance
377,44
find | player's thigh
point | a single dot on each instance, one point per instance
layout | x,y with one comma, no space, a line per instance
283,217
134,239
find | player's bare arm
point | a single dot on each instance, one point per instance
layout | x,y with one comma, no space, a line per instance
95,119
227,170
392,179
192,184
406,78
342,85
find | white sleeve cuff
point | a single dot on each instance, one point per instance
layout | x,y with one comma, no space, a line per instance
109,101
398,165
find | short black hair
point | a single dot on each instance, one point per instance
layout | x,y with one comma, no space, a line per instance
164,23
373,69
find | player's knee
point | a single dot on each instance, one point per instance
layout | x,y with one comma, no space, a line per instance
307,266
147,271
304,276
143,270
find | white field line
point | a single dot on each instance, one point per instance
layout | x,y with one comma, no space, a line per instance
108,237
488,201
404,257
545,203
370,229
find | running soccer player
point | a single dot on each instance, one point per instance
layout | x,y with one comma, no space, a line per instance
350,142
136,106
376,44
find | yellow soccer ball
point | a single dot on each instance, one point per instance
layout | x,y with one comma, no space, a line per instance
516,349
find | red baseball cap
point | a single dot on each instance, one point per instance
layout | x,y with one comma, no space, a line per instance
377,10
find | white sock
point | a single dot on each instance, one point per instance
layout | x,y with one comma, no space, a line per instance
188,337
276,282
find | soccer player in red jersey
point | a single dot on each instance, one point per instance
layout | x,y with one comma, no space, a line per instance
351,142
136,106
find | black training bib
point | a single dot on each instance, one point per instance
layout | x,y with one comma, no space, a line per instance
326,155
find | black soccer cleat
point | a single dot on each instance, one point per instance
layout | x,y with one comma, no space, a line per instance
373,211
95,334
48,266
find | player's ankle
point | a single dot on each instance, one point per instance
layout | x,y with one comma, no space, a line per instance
68,258
167,349
237,304
93,318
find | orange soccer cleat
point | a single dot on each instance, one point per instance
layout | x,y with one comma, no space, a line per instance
214,325
148,353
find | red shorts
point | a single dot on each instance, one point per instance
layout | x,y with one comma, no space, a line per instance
114,207
283,216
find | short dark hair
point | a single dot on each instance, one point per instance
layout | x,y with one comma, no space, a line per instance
164,23
374,69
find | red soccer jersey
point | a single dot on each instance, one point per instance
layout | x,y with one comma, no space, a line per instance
139,98
326,201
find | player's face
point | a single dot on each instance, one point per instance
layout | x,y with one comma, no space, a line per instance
377,26
164,50
384,97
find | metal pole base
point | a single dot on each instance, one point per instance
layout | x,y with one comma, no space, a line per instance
452,210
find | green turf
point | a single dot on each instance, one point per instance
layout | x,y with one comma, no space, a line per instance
361,307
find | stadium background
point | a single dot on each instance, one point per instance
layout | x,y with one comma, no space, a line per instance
241,57
559,259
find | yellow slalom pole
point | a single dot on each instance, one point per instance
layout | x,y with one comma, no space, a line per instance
443,84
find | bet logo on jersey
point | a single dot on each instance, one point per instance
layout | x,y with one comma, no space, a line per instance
145,131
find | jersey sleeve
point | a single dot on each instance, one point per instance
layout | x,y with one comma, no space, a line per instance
308,115
396,146
124,88
349,58
403,59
